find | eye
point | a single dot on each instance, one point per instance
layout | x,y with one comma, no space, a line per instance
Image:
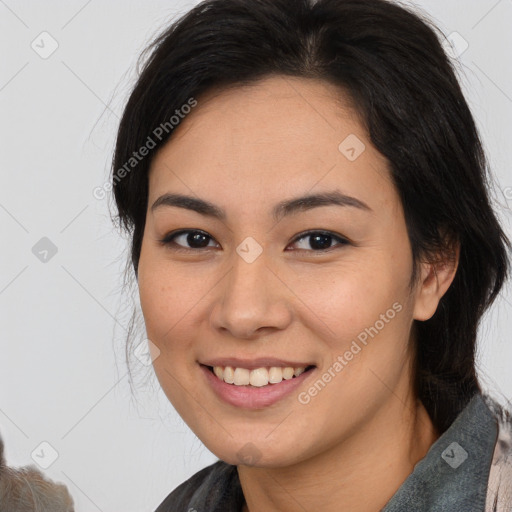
195,239
319,240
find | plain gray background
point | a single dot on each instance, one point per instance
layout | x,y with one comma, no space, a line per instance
62,370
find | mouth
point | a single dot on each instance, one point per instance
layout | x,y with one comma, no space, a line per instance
258,386
257,377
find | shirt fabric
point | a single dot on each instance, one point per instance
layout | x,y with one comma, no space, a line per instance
468,469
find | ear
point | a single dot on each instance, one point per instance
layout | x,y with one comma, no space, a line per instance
435,279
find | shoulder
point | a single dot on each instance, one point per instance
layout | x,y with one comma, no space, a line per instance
206,487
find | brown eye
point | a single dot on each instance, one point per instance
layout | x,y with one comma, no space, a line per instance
319,240
188,239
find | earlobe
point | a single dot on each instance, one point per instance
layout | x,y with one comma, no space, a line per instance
436,278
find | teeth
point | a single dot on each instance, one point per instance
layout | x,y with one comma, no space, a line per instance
228,375
275,375
298,371
288,372
242,376
258,377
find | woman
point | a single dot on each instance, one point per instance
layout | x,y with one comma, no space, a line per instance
314,247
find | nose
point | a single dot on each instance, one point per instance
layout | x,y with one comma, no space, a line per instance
252,300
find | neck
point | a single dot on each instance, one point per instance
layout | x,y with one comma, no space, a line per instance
359,474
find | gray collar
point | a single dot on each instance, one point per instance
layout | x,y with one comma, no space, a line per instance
455,472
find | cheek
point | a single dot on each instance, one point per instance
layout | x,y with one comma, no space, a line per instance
361,314
167,300
345,299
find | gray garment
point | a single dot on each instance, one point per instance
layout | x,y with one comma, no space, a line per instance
438,483
468,469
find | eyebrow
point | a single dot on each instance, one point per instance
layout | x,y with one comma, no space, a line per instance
280,210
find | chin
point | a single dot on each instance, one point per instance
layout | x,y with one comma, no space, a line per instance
262,453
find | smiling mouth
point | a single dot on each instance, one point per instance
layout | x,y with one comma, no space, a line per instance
257,377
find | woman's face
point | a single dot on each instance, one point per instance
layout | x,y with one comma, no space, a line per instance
253,286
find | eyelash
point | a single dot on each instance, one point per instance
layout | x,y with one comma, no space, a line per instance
169,242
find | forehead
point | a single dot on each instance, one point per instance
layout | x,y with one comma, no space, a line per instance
280,135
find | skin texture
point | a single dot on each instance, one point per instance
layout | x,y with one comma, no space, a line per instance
246,149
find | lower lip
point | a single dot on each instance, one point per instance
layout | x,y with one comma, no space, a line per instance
251,397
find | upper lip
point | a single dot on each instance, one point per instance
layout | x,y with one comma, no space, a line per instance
251,364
